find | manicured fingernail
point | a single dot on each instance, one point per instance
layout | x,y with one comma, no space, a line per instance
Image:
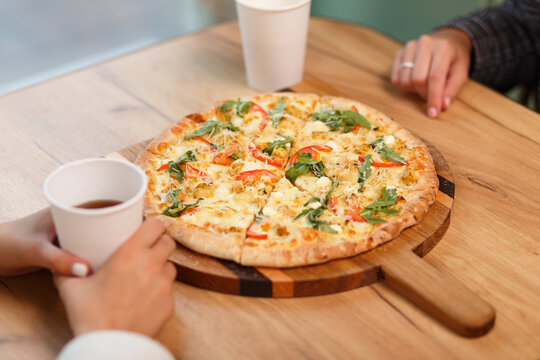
446,102
79,269
432,112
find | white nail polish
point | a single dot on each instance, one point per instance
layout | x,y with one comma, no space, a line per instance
432,112
79,269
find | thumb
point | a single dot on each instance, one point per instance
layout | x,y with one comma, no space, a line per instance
61,262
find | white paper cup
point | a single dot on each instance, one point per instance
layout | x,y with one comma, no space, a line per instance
274,34
94,234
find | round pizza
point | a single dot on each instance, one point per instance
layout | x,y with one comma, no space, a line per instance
287,179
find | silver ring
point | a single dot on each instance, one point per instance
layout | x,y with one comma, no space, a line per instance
407,65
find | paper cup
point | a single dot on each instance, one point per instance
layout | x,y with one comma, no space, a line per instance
94,234
274,34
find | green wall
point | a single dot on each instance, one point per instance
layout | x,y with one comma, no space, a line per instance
401,19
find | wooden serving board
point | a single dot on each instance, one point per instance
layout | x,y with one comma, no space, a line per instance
397,262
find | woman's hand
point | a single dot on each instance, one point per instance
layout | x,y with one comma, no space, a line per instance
438,67
132,291
26,245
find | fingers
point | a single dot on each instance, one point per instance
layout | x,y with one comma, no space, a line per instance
169,271
148,233
405,73
438,74
60,261
457,76
422,63
163,248
396,67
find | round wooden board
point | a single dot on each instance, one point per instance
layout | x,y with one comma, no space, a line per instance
335,276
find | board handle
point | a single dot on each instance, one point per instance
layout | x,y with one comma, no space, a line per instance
438,294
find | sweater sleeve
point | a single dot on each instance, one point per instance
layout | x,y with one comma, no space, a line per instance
504,43
114,344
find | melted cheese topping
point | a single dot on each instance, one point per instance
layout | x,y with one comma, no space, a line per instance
229,205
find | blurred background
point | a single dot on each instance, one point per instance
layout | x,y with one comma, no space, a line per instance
42,39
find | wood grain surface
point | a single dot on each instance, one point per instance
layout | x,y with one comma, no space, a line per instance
492,244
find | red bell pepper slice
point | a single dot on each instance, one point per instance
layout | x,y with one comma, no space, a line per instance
251,175
353,213
188,169
223,157
313,150
333,204
250,233
259,155
164,166
383,165
266,119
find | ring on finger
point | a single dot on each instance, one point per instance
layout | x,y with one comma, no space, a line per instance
407,65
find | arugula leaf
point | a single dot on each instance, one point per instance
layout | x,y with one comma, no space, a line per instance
176,209
303,165
269,150
335,183
176,170
323,226
211,127
384,150
242,107
314,214
217,146
312,200
258,217
277,113
336,119
227,106
373,219
365,171
383,204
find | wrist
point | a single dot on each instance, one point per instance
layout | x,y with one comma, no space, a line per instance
457,37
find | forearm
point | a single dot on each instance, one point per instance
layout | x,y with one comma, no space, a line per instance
502,45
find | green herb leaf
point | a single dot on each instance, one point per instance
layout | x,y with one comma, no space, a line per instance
269,150
384,151
211,127
313,215
365,172
242,107
303,165
312,200
373,219
227,106
258,217
383,204
336,119
278,112
323,226
217,147
176,209
335,183
176,170
234,156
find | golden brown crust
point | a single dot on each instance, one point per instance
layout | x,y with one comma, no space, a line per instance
229,246
223,246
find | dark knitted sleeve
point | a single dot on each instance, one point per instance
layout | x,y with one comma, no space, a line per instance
504,43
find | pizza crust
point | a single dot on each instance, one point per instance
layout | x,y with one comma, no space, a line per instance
207,242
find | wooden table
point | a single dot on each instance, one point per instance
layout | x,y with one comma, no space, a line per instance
492,245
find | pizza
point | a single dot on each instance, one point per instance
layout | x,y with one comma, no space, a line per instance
287,179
